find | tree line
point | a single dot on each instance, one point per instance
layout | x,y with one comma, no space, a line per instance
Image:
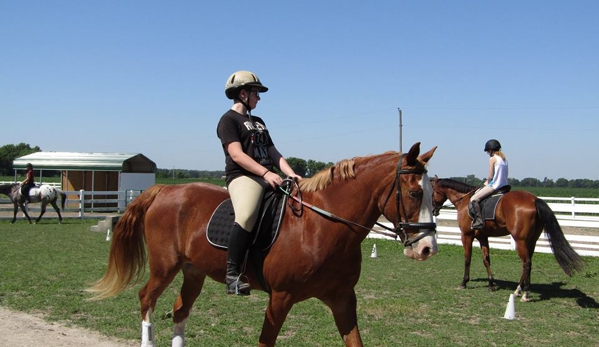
304,168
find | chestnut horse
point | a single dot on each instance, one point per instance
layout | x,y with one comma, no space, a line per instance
316,255
519,214
43,194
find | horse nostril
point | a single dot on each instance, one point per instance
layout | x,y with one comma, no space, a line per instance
426,252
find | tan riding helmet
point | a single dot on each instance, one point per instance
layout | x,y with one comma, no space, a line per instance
242,79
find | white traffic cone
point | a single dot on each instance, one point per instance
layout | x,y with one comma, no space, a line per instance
510,310
373,254
107,235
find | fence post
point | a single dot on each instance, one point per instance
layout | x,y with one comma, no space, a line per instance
573,206
81,203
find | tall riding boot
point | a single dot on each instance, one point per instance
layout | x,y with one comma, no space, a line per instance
239,241
477,221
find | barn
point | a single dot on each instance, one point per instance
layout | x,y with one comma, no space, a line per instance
95,172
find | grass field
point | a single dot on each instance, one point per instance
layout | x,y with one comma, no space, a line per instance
45,267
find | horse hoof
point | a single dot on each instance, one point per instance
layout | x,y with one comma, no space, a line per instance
462,286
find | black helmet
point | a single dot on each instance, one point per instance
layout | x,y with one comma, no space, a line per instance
29,165
492,145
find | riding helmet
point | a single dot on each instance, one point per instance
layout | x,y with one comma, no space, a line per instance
242,79
492,145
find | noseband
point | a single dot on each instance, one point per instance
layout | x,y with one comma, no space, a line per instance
400,226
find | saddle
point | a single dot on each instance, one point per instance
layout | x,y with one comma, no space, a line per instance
264,234
488,205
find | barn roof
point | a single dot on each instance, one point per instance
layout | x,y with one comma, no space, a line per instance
125,162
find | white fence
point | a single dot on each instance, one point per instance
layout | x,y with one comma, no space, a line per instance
570,212
83,202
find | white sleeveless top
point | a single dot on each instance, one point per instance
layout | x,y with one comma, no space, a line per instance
500,173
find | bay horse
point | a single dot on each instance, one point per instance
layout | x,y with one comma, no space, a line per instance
44,194
518,213
315,255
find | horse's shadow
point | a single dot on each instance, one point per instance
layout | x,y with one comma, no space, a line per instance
547,291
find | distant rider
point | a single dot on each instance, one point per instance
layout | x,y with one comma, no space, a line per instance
27,183
496,179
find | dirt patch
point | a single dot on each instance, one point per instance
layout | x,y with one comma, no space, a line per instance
21,329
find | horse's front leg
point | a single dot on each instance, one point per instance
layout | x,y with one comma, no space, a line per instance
22,206
343,305
279,305
467,240
484,245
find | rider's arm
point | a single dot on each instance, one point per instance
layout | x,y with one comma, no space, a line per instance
492,161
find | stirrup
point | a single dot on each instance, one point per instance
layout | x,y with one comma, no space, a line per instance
238,287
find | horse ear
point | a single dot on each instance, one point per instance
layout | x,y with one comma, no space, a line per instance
412,156
425,157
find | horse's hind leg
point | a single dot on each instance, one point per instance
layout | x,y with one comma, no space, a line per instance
193,281
484,245
343,305
161,275
57,211
42,213
526,258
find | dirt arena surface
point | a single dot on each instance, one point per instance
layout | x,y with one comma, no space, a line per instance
21,329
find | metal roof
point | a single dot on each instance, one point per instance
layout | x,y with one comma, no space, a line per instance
125,162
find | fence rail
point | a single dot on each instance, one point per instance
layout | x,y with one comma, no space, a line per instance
83,202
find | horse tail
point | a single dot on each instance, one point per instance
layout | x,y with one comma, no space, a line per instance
565,255
127,258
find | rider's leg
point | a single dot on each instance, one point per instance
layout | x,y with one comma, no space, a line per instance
246,195
477,221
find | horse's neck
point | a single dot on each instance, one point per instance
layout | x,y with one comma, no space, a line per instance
458,199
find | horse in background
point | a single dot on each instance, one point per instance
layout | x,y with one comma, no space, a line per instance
520,214
44,194
317,253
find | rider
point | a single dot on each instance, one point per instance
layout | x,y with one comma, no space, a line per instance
250,155
497,178
27,183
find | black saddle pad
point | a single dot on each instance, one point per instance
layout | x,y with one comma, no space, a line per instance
487,206
265,232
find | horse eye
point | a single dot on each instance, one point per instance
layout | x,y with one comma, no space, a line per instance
415,193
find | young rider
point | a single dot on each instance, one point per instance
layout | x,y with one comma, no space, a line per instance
27,183
250,155
496,178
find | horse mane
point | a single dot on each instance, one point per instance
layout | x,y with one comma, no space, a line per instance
343,170
455,185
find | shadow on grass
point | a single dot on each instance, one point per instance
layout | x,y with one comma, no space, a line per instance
547,291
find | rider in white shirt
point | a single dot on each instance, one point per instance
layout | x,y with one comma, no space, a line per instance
496,179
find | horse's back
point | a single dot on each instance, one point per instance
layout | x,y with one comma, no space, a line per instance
179,214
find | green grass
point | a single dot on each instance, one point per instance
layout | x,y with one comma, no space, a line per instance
45,267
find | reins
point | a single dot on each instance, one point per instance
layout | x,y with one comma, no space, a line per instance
398,230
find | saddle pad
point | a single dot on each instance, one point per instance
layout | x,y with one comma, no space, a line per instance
488,207
267,226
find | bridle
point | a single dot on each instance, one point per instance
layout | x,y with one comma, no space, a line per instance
399,227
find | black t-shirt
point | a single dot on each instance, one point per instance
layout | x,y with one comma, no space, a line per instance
253,136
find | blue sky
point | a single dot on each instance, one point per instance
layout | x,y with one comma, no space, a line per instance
148,77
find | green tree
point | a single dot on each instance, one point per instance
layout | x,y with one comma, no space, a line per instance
298,165
8,153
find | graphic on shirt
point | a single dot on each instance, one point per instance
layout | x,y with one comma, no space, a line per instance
259,139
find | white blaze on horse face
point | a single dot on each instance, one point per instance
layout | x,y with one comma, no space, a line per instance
427,246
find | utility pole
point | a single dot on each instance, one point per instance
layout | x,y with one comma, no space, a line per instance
400,126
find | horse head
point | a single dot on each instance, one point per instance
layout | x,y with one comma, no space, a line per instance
439,196
412,213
